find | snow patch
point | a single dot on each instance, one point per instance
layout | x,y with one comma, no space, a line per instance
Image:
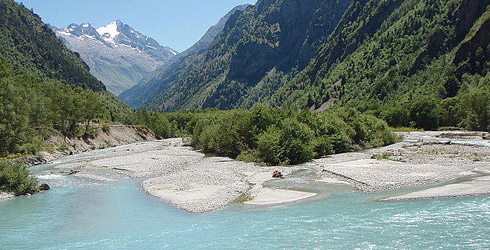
110,29
150,47
63,33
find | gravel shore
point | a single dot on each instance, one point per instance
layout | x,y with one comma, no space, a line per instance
424,158
476,187
196,183
186,178
5,196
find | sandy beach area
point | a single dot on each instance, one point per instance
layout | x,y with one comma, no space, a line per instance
196,183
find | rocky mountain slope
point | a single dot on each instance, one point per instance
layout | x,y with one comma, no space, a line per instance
155,83
322,53
31,47
117,54
395,51
269,38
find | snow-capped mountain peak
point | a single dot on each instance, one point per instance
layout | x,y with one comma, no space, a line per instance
110,31
116,47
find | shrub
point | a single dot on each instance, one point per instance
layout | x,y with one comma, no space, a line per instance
277,136
16,178
450,113
323,146
250,155
106,129
396,116
475,106
297,143
31,148
269,146
372,132
424,113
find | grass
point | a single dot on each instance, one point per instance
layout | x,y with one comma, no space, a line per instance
243,198
405,129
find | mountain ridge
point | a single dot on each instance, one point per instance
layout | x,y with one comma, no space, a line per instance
143,91
256,48
117,54
374,54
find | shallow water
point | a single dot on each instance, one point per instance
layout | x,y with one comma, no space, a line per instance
81,214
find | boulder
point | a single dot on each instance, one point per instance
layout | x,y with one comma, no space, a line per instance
44,187
277,174
72,172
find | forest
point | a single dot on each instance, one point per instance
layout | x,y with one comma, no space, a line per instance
32,109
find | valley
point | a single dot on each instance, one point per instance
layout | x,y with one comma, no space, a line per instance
289,124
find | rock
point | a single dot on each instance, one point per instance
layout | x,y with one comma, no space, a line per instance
44,187
72,172
277,174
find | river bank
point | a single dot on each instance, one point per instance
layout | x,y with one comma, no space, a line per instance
196,183
5,196
58,146
186,178
422,159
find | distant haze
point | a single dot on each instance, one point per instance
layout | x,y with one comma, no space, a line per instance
176,23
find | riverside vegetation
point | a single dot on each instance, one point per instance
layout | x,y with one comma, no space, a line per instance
270,135
44,89
31,110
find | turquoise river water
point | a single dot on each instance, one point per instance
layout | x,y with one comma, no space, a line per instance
81,214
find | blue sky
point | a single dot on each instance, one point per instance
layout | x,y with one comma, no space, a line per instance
176,23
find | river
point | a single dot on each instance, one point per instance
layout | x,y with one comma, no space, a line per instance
82,214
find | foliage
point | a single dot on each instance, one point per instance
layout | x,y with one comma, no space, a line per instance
280,136
30,109
476,109
404,61
156,122
15,178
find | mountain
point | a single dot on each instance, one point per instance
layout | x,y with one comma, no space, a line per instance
322,53
117,54
257,45
390,52
31,47
151,85
45,88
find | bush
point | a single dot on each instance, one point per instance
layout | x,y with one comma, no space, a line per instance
372,132
296,141
250,155
424,113
106,129
475,106
269,146
323,146
396,116
15,178
450,113
31,148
